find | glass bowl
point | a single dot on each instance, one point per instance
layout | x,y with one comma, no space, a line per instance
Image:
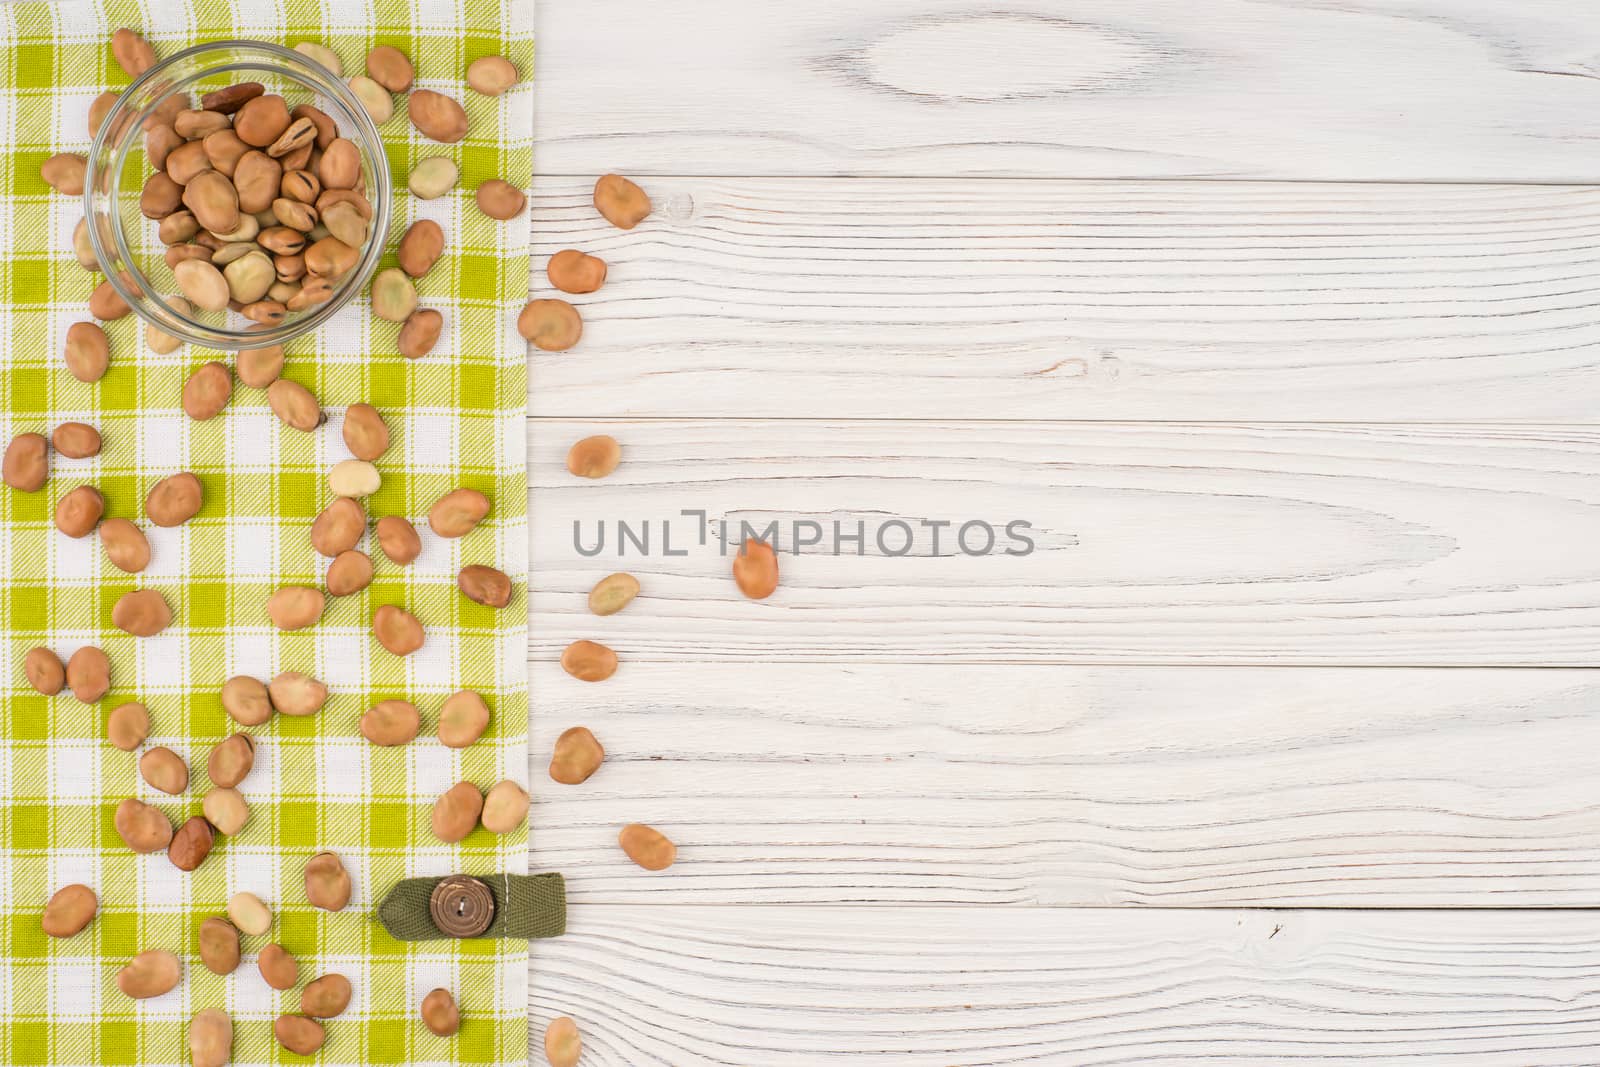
127,244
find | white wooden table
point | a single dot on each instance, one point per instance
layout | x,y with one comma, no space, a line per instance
1281,323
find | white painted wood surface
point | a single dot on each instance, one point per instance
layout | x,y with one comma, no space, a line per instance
1195,301
1452,90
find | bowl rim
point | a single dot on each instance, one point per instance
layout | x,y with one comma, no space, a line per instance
145,300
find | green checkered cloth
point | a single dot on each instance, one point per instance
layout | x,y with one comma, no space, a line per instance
457,416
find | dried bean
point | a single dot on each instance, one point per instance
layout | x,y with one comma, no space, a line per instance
327,882
294,214
214,200
462,719
613,593
354,478
552,325
431,178
132,52
227,100
339,527
257,177
165,770
79,510
27,463
440,1014
340,166
249,914
64,173
562,1045
186,161
398,539
142,828
294,405
320,53
159,141
589,661
647,846
44,671
421,247
206,392
374,97
160,196
389,67
301,185
210,1038
158,339
326,129
175,500
504,807
350,572
192,124
326,997
594,457
492,75
294,693
298,1034
106,304
205,286
365,433
99,108
455,814
150,974
225,151
219,942
300,133
69,910
390,722
623,203
88,351
128,725
231,760
393,295
294,607
396,630
577,755
191,844
436,116
457,512
500,199
572,271
484,585
88,674
420,333
345,221
258,368
280,969
227,810
262,120
126,545
142,613
82,247
331,257
755,569
314,291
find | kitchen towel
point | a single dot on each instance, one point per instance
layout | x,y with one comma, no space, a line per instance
457,417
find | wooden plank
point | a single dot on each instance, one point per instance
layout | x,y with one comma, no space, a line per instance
1153,543
1481,90
930,987
1041,785
861,298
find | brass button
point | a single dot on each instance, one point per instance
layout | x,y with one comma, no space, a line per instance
461,906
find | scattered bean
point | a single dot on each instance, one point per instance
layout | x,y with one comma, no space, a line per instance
462,719
204,285
133,53
420,333
258,368
69,910
325,997
210,1038
440,1014
206,392
174,500
88,352
393,295
327,882
99,108
399,539
246,701
455,814
436,116
484,585
280,969
88,674
647,846
125,544
577,755
552,325
142,613
500,199
230,760
76,440
27,463
572,271
390,722
390,68
128,725
397,630
165,770
623,203
294,405
261,120
44,671
294,607
613,593
457,512
350,572
231,98
248,913
191,844
374,97
298,1034
64,173
106,304
589,661
82,247
339,527
319,53
219,942
226,809
492,75
594,457
365,432
354,478
294,693
150,974
421,247
141,827
504,807
79,510
562,1045
755,569
432,177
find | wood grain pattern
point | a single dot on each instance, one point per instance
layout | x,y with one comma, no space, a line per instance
1480,90
1154,543
1014,785
859,298
931,987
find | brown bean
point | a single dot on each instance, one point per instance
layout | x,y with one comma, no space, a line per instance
186,161
339,527
500,199
421,247
315,291
267,311
231,98
331,257
457,512
326,997
298,1034
214,201
128,725
436,116
390,722
420,333
301,185
258,178
219,945
389,67
258,368
178,227
191,844
141,827
76,440
125,545
294,405
330,197
225,151
573,272
192,124
455,814
295,693
88,351
174,500
432,177
291,267
350,572
165,770
262,120
647,846
88,674
44,671
613,593
231,760
159,141
623,203
484,585
99,108
246,911
294,214
327,882
492,75
301,158
280,969
203,284
206,392
562,1045
398,539
393,296
142,613
340,167
27,462
345,221
397,630
210,1038
183,253
462,719
294,607
576,756
82,247
594,457
327,130
301,132
226,810
64,173
504,807
69,910
246,701
755,569
132,52
552,325
440,1014
106,304
150,974
589,661
79,510
365,432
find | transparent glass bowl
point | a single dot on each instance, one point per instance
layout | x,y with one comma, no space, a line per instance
126,243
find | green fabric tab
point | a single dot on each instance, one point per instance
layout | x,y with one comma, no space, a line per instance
525,906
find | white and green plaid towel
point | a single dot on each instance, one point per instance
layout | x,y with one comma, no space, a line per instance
317,785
